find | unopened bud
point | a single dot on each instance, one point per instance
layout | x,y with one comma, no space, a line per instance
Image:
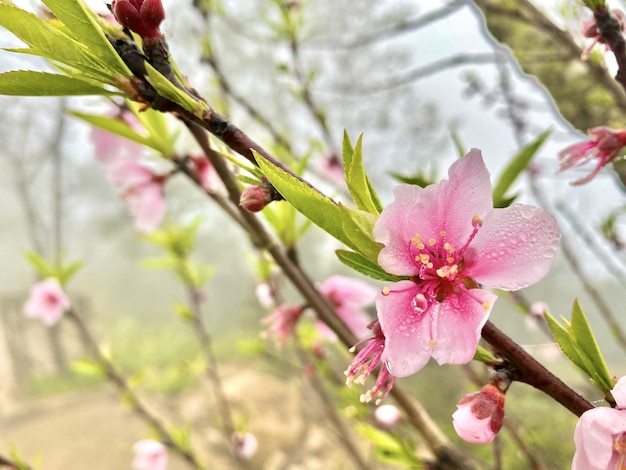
255,198
479,415
140,16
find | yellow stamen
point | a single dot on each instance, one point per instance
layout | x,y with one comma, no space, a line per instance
432,241
386,290
442,233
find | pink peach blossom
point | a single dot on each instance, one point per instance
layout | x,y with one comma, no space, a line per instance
207,175
143,191
387,415
281,323
245,445
590,30
600,435
448,239
47,301
149,455
604,144
349,297
111,148
479,415
330,167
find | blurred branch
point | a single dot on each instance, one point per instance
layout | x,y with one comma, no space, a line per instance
116,378
402,27
5,462
611,31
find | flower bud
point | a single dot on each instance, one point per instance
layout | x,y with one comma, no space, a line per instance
387,415
140,16
479,415
245,445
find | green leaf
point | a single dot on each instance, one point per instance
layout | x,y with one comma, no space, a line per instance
31,83
172,264
587,344
115,126
40,264
515,167
563,339
183,311
82,24
485,356
359,185
319,209
67,272
358,226
362,265
168,90
380,439
89,368
51,43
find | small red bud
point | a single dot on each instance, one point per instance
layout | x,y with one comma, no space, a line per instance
140,16
255,198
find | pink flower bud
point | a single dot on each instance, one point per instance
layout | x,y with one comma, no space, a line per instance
245,445
149,455
140,16
387,415
479,415
255,198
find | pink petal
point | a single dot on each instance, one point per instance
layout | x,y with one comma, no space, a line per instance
514,248
470,428
47,301
593,437
356,320
346,290
619,393
407,333
147,205
128,174
459,321
449,206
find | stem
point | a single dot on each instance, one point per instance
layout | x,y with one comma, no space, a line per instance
120,383
611,32
528,370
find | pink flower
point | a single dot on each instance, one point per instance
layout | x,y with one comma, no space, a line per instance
604,145
47,301
600,435
449,239
265,295
144,192
366,361
535,316
387,415
479,415
281,323
349,297
140,16
149,455
110,148
245,445
207,175
330,167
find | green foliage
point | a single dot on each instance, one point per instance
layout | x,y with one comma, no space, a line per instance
578,343
181,435
515,167
359,185
362,265
484,356
168,90
89,368
389,448
57,270
20,463
31,83
183,311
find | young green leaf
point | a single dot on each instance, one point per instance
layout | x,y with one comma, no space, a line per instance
82,24
586,342
362,265
359,185
358,226
563,339
168,90
31,83
515,167
40,264
321,210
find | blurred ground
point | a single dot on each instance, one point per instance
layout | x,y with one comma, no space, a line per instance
93,430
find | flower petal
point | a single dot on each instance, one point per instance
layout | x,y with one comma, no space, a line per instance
594,438
514,248
449,206
460,319
407,333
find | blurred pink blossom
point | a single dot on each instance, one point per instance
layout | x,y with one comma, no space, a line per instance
149,455
265,295
479,415
366,361
449,239
349,297
536,315
111,148
387,415
604,144
600,435
281,323
330,167
47,301
206,173
143,190
245,445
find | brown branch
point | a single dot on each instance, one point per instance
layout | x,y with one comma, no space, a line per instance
527,369
611,31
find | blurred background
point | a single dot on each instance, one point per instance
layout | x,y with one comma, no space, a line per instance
418,78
